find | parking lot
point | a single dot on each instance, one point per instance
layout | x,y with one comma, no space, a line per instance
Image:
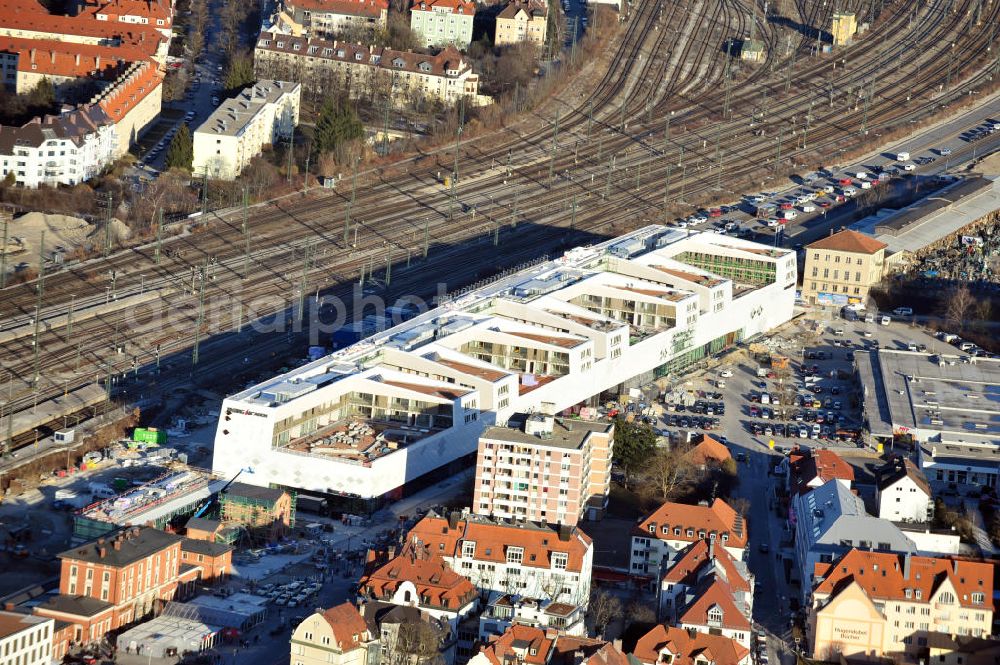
814,402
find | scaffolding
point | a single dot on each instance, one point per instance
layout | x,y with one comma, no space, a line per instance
259,519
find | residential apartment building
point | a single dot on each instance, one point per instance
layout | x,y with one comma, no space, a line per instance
336,636
155,13
420,577
26,639
831,520
712,608
527,645
522,21
367,71
841,268
241,126
807,470
215,560
412,400
77,145
902,492
443,22
884,605
329,19
544,470
677,646
700,563
505,610
659,538
99,47
523,558
119,579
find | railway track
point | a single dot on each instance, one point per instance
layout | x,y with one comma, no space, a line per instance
647,168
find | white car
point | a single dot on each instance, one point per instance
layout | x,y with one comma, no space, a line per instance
773,222
757,199
909,166
865,184
809,208
829,189
944,152
886,320
726,373
850,191
697,219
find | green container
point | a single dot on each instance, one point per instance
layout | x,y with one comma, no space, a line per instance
149,435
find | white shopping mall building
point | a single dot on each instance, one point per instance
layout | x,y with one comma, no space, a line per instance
367,421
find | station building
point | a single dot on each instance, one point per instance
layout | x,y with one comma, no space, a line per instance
373,419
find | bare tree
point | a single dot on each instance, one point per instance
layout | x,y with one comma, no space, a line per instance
603,609
956,305
669,471
640,612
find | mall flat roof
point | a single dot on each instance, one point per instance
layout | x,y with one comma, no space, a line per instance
956,396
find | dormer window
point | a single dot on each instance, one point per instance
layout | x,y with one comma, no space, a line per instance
725,537
677,531
690,533
652,528
281,44
358,56
666,530
398,63
469,548
715,615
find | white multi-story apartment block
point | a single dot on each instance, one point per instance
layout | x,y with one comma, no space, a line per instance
237,131
370,71
26,639
443,22
77,145
673,527
376,415
525,558
545,470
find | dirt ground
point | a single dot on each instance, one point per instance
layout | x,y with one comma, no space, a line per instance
989,166
61,232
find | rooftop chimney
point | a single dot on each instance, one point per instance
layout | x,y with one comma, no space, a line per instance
118,545
102,552
565,531
453,519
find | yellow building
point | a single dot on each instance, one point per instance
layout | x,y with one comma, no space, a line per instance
337,636
845,24
521,22
886,605
840,269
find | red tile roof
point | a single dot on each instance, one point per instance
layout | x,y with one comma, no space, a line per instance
152,10
849,241
719,595
349,627
695,558
438,586
823,464
37,19
50,57
594,651
493,539
719,518
456,6
708,450
372,8
686,646
887,576
522,644
132,89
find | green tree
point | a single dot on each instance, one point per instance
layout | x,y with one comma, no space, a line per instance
635,443
239,73
337,123
180,152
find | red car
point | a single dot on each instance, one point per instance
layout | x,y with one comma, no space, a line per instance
823,204
715,212
786,205
845,182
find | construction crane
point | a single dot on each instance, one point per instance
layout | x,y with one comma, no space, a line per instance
212,499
